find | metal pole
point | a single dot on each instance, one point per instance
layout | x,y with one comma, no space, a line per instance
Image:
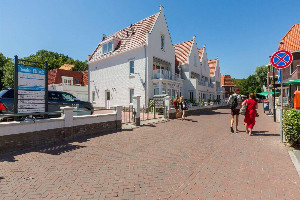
46,87
281,112
274,111
16,85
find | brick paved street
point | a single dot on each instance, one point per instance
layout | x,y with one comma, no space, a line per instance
194,159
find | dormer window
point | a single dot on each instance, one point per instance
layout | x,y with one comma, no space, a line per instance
107,47
162,42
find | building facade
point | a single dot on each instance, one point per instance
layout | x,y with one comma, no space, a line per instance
228,85
141,60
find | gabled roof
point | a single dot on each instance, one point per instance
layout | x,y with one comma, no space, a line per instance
226,80
291,40
200,52
212,66
182,51
130,37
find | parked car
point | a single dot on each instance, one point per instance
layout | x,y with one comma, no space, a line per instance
56,99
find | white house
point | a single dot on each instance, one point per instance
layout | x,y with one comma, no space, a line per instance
215,75
138,60
199,80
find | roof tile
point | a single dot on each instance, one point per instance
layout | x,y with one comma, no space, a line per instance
182,51
128,38
291,40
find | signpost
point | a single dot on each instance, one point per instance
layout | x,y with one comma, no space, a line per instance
280,60
31,87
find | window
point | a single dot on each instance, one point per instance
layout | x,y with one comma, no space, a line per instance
109,47
195,61
108,95
131,95
67,80
191,95
173,93
156,91
104,48
169,92
162,42
131,63
9,94
77,81
93,96
68,97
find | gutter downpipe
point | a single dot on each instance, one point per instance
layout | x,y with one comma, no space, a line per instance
146,75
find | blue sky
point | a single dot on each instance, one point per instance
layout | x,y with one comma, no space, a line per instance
242,33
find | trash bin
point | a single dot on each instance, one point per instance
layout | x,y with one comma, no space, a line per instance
266,104
297,100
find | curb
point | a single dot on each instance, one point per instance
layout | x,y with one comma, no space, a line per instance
295,160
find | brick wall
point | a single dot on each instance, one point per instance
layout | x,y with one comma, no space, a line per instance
32,139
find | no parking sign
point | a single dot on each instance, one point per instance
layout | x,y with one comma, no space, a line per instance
281,59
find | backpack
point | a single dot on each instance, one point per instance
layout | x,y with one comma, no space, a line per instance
184,105
233,101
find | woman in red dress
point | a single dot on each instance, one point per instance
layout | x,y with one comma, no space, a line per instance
250,113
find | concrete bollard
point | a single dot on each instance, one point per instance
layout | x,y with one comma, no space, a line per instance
67,115
137,110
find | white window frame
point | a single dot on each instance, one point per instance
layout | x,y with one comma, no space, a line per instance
131,97
131,60
66,80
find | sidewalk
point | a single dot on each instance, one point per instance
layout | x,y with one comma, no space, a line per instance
198,158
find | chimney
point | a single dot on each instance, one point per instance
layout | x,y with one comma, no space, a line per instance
103,37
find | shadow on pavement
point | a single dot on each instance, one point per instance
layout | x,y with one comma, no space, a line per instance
60,149
54,149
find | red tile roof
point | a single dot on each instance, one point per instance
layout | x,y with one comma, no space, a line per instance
200,52
226,80
182,50
128,38
291,40
212,66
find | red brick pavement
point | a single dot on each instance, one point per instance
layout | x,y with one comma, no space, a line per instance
194,159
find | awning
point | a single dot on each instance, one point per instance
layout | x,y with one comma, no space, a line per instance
266,93
293,82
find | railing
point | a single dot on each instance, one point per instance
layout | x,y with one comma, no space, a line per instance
210,85
165,74
201,82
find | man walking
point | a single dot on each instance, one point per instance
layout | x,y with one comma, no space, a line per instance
235,102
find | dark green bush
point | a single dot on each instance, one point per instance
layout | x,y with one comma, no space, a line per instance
291,126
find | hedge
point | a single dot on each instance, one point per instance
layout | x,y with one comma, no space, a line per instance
291,126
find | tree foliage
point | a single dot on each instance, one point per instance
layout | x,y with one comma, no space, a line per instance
55,60
4,65
261,75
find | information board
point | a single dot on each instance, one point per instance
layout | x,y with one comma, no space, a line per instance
31,89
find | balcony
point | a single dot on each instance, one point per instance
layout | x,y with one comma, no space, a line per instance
165,74
210,85
201,81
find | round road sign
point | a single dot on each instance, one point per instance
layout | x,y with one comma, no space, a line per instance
281,59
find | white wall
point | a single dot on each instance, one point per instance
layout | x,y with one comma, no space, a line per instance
81,92
113,74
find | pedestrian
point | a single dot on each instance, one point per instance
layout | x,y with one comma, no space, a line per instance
235,102
184,107
251,113
176,105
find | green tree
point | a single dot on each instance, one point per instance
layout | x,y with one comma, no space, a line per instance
8,74
55,60
261,75
3,61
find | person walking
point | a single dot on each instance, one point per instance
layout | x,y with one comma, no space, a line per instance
251,113
176,105
184,107
235,102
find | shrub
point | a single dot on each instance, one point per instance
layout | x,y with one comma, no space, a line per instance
291,126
